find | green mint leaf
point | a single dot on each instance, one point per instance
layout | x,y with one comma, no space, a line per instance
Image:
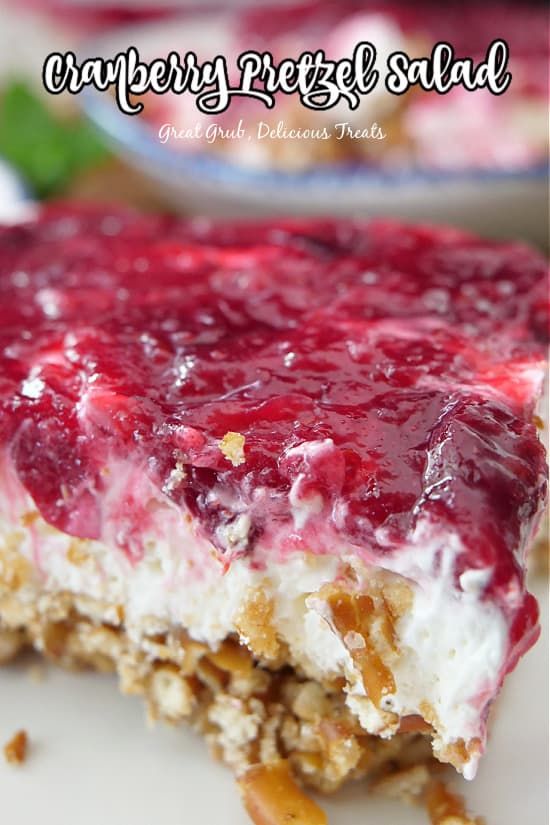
46,150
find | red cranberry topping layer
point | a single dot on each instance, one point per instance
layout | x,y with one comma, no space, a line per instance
385,374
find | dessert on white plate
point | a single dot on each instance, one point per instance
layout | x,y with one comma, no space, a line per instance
281,476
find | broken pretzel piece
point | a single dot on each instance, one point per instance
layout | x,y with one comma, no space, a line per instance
272,797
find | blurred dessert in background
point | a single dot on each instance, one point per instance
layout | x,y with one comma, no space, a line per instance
457,131
88,15
467,158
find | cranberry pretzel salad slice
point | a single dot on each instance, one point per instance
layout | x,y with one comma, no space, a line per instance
281,476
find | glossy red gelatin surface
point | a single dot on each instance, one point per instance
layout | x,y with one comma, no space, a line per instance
410,356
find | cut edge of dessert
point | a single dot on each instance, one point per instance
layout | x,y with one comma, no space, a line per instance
306,658
279,725
275,724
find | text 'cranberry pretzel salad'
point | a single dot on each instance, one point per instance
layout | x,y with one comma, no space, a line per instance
281,476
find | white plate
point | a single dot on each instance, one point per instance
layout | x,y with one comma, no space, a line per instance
94,762
14,199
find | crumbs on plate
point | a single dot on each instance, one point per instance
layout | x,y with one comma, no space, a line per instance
15,751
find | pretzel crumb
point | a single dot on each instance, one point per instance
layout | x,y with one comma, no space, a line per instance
406,784
232,446
255,624
272,797
15,751
446,807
